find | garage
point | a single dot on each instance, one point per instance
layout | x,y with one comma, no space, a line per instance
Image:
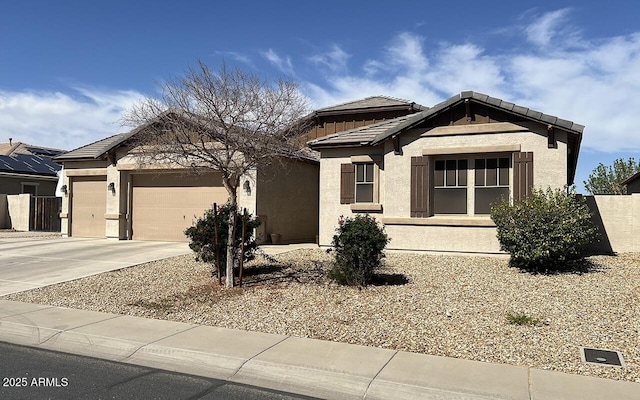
89,202
164,205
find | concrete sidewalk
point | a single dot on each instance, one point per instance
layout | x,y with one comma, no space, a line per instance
310,367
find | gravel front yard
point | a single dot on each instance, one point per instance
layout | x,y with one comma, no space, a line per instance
442,305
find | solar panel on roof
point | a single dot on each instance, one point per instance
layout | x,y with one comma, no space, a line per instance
22,163
43,151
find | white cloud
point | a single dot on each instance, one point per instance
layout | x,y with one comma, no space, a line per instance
335,60
63,120
243,58
553,28
591,82
283,64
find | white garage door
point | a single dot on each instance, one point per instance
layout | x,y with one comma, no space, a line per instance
88,205
167,204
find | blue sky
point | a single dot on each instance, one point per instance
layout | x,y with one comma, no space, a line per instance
69,69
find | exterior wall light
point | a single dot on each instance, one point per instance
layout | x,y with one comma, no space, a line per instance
247,187
112,187
64,189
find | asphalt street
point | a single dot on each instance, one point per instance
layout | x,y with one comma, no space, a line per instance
29,373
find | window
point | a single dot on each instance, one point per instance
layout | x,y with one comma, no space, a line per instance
359,184
364,182
450,186
30,188
453,183
491,182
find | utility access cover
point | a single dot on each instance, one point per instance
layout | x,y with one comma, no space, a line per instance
602,357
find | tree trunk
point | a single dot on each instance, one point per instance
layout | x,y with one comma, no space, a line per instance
233,200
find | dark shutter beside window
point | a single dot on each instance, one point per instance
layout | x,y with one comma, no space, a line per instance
347,183
522,175
420,187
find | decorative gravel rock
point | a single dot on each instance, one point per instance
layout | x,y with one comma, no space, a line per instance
454,306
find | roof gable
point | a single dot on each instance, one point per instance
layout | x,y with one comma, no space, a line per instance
378,133
101,147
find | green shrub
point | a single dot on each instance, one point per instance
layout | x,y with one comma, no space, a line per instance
545,231
358,245
522,319
202,237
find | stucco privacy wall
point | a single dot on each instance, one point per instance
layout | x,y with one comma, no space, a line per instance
618,218
18,206
550,169
287,200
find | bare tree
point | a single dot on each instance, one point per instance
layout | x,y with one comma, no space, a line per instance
227,121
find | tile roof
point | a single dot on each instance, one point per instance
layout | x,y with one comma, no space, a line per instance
96,149
377,133
373,102
8,149
366,134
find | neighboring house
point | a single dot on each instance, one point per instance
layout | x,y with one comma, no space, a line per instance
28,169
110,195
633,183
432,176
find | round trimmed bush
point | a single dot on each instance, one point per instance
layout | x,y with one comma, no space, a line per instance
545,231
358,245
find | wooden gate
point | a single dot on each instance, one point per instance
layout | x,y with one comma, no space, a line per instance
45,213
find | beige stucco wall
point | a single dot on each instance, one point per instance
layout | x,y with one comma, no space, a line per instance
330,207
550,166
18,207
4,213
619,220
443,238
287,201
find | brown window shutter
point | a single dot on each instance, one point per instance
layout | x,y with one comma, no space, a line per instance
347,183
522,175
420,187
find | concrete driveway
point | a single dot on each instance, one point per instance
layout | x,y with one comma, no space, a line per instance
31,262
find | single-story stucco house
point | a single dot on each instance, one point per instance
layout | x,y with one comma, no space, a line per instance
108,194
431,176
